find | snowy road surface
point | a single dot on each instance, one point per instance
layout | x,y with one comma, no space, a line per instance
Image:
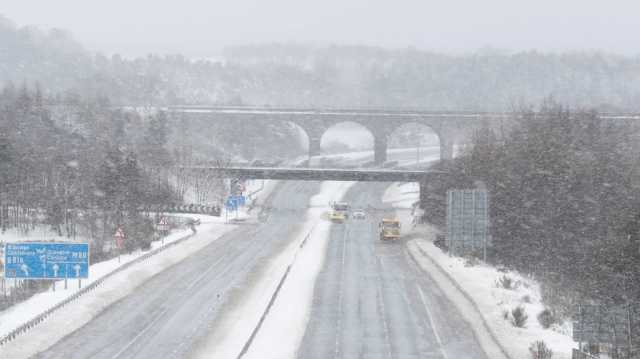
166,316
372,301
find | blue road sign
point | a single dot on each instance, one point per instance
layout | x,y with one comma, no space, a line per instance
46,260
240,200
231,204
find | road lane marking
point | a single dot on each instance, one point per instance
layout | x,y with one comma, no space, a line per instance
189,287
205,273
215,264
142,332
379,294
336,353
383,312
153,322
433,325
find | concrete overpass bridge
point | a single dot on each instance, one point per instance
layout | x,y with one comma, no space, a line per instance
318,174
450,127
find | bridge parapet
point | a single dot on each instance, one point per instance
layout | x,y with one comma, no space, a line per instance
320,174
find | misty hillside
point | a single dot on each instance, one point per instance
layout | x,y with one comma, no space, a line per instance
308,76
487,80
30,55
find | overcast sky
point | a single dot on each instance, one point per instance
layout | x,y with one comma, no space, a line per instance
201,28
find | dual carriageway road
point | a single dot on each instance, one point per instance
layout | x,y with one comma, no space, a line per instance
370,299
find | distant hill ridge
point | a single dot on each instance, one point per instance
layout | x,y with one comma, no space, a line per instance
314,76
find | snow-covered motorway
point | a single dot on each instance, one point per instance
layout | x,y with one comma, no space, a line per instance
372,301
168,315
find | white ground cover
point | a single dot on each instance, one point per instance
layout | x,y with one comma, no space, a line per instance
286,322
401,195
479,283
40,233
81,311
428,154
256,193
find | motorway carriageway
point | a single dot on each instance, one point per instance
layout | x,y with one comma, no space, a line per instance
370,299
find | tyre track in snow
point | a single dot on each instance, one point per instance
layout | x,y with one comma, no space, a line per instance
384,306
192,290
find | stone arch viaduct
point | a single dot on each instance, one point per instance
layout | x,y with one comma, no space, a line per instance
450,127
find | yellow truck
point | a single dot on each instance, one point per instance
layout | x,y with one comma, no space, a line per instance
339,212
337,216
342,207
389,229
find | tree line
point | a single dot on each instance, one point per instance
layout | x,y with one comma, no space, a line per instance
564,201
80,167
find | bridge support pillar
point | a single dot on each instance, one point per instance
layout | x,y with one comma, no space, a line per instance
424,188
314,147
380,149
446,148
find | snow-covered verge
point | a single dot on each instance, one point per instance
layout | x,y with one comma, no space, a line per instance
256,194
39,233
286,319
22,312
289,316
428,154
479,284
73,316
401,195
483,332
258,191
475,291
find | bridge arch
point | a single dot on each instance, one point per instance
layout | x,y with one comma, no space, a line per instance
302,137
416,136
351,135
286,135
445,134
374,134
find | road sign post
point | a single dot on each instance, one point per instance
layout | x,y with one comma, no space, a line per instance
232,203
241,200
467,221
163,228
119,237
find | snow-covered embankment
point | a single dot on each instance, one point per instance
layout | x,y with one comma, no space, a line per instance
73,316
